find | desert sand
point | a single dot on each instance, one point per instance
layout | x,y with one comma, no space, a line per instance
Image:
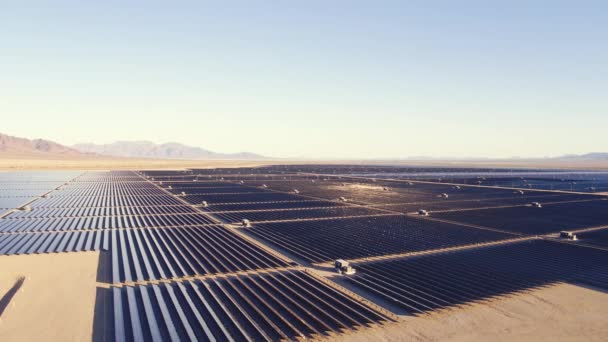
56,301
561,312
9,163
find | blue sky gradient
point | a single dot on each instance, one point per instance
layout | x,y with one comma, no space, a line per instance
314,79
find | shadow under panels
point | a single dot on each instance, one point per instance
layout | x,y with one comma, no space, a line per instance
35,243
296,214
272,306
427,282
102,222
551,218
169,253
349,238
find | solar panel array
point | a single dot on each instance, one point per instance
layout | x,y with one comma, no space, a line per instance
597,237
557,179
20,188
352,238
423,283
168,253
589,182
198,280
182,264
296,214
550,218
464,220
262,307
248,206
42,212
73,241
451,204
29,187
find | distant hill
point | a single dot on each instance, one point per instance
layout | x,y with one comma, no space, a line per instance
15,147
147,149
589,156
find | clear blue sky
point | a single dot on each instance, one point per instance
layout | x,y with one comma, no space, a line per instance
329,79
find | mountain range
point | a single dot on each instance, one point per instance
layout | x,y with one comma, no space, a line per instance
16,147
148,149
588,156
11,146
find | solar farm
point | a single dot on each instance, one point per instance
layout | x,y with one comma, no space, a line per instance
293,252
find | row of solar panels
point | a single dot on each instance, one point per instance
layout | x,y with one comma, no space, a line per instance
133,184
101,222
272,306
452,205
30,243
247,206
20,188
41,212
168,253
109,176
296,214
114,201
109,192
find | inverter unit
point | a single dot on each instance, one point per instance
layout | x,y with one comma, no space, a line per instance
423,212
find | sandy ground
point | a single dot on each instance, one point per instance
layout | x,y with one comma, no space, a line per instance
118,164
562,312
56,301
598,165
8,163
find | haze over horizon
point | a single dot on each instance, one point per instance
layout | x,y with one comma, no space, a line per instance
312,80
